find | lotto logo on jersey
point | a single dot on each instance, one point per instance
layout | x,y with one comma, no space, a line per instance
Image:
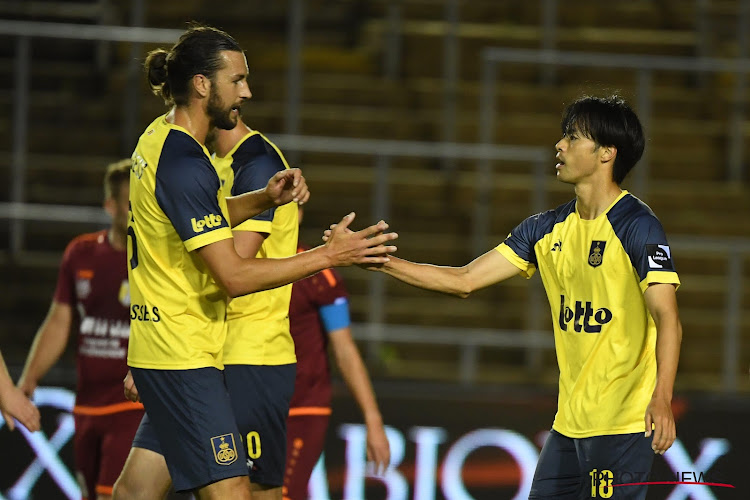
209,220
583,316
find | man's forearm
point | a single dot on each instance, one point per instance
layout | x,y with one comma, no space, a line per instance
47,348
49,344
668,340
355,375
6,383
428,276
247,206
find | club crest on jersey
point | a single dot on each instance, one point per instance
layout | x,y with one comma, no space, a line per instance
596,253
83,283
225,451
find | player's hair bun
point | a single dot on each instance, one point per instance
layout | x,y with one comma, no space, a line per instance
156,69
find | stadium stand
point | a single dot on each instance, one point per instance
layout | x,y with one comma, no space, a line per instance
76,117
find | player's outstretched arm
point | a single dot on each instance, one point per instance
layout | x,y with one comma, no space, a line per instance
284,187
238,276
485,270
355,375
661,302
14,403
49,344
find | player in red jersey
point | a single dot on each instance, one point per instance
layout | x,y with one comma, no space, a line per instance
92,292
319,313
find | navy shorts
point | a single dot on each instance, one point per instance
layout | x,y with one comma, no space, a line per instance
593,467
260,398
189,420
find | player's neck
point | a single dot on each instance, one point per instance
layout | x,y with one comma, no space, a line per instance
227,139
593,199
117,239
192,119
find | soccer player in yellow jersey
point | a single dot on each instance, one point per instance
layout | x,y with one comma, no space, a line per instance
259,359
609,275
183,265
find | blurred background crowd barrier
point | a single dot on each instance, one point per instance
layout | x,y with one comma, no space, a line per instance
439,116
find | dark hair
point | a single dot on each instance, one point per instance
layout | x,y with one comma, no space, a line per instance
608,121
197,52
116,175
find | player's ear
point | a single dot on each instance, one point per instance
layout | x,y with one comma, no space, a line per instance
202,85
608,153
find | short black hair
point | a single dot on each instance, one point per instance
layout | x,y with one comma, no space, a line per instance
608,121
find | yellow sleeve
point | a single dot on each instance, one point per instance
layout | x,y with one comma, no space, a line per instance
256,226
206,239
666,277
527,268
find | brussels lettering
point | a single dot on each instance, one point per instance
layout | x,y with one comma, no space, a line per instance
139,312
582,314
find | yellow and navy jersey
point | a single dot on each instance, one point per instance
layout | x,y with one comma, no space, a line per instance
258,324
595,273
177,311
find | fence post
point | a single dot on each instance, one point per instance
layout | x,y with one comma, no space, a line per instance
377,285
450,82
392,54
22,70
642,173
737,117
295,37
549,38
481,221
468,363
730,361
536,315
131,102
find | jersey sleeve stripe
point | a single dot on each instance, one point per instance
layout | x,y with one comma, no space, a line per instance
202,240
660,277
258,226
526,269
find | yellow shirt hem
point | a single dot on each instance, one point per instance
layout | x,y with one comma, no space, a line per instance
631,429
260,361
150,365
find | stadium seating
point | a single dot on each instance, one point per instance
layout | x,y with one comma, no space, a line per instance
76,116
